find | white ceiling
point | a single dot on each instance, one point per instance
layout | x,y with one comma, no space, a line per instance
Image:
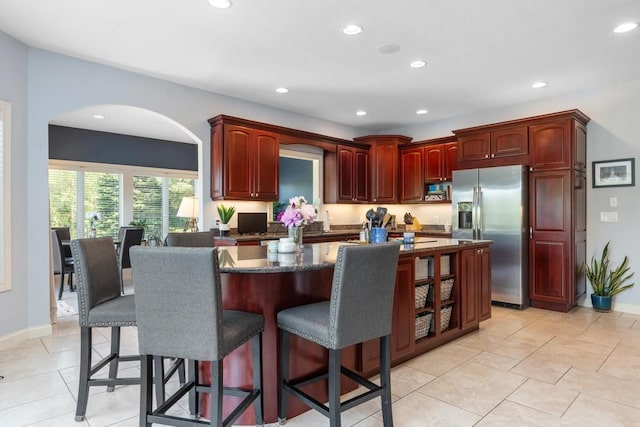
481,54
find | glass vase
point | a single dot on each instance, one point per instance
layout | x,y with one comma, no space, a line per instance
295,233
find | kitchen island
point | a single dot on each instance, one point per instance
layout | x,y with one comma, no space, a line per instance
255,280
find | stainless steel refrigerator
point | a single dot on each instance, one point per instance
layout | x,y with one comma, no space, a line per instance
491,204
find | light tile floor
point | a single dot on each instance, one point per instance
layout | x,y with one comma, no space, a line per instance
530,367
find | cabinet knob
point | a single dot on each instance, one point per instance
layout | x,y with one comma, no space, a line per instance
493,155
486,156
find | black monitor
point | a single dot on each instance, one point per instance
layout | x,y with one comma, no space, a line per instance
252,222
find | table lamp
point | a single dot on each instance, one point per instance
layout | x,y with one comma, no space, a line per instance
189,209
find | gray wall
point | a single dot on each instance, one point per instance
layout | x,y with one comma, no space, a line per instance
15,313
296,179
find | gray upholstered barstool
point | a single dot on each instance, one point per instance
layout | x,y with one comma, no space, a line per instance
359,310
196,239
172,277
100,305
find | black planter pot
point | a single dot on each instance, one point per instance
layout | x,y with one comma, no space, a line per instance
601,303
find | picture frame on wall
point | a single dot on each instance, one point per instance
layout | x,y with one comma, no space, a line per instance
613,173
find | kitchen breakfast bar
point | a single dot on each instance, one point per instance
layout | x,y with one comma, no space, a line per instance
443,291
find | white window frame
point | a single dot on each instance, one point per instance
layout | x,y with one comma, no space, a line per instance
5,209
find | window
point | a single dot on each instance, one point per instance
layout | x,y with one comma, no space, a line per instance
80,192
5,196
102,202
63,200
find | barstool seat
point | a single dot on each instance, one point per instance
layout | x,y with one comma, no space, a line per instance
360,310
179,313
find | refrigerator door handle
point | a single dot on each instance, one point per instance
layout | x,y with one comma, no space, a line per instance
474,214
479,215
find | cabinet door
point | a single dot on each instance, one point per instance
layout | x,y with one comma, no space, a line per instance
469,273
450,150
345,174
403,325
510,142
474,147
238,162
551,145
266,166
361,176
433,163
384,173
550,259
403,321
411,175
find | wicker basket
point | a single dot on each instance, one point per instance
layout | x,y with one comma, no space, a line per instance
422,325
445,290
445,318
421,295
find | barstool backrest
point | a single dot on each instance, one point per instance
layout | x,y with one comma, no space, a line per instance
98,276
130,237
198,239
362,293
178,302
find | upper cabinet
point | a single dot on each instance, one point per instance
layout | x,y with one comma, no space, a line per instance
244,162
426,163
346,175
496,147
440,161
383,161
558,144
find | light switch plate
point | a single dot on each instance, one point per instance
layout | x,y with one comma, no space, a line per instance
608,216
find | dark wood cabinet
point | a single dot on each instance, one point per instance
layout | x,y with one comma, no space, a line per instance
244,163
384,164
557,241
439,161
559,144
495,147
475,279
412,175
346,175
557,211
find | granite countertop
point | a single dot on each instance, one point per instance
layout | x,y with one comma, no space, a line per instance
258,259
334,232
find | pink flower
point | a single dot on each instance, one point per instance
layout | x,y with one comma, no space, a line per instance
298,213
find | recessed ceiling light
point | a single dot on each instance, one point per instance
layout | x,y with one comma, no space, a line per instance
98,116
418,64
282,90
538,85
352,29
627,26
361,113
421,112
220,4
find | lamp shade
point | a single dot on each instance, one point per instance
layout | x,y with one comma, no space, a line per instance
188,208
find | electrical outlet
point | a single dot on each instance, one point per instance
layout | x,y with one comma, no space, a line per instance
608,216
613,202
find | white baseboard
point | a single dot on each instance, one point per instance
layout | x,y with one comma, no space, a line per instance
25,334
623,308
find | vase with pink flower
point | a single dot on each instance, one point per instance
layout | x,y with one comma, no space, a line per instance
298,213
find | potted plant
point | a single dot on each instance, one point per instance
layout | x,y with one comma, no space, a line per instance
225,214
606,281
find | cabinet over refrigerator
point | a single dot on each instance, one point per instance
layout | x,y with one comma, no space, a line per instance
491,204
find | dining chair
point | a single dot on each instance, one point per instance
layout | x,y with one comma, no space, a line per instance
65,235
360,309
130,237
61,264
